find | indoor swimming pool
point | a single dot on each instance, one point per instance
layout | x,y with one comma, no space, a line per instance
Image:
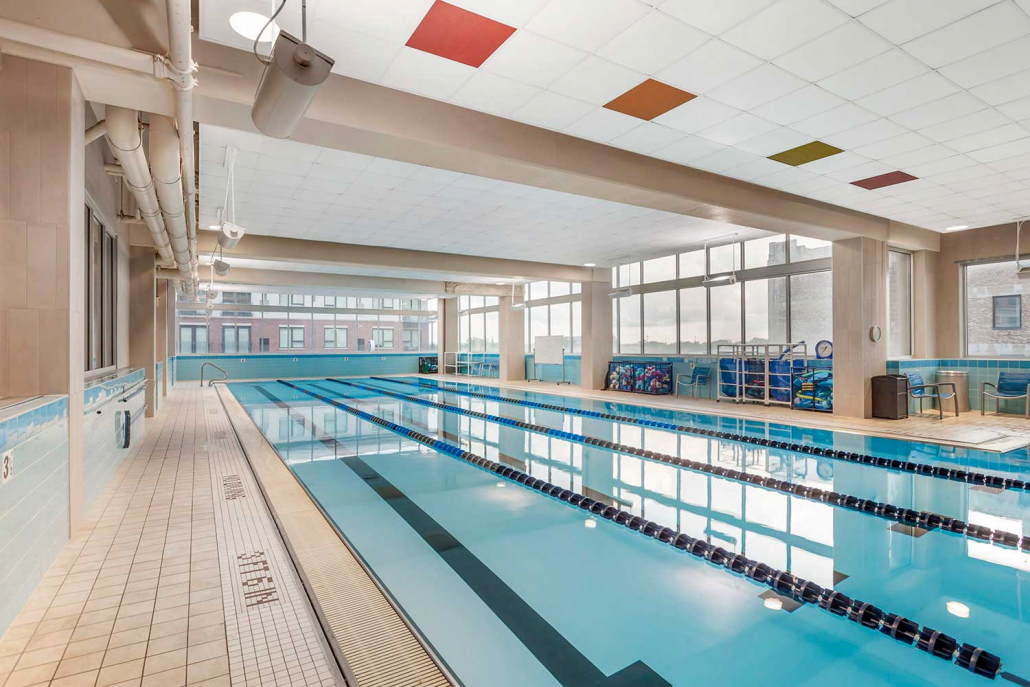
535,539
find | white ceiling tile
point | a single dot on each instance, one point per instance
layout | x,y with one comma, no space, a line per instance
863,171
920,156
876,74
833,121
390,20
357,55
426,74
722,160
511,13
879,129
713,17
687,150
597,81
493,94
856,7
894,146
899,21
775,141
699,113
1020,147
909,94
756,87
786,176
991,137
533,59
966,126
974,34
343,158
784,25
738,129
282,164
843,47
392,168
586,24
1017,109
552,111
647,138
975,171
815,183
801,104
938,111
835,163
602,125
711,65
653,43
992,64
754,169
1011,164
1004,90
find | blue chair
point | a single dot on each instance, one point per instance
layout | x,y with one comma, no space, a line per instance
918,390
1010,385
699,376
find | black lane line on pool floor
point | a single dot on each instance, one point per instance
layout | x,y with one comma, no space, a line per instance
937,471
927,520
933,642
568,666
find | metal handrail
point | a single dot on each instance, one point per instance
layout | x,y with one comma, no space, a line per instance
120,396
213,380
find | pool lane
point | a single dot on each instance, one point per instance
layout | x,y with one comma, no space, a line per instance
531,550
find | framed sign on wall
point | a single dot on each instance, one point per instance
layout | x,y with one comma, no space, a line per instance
1008,312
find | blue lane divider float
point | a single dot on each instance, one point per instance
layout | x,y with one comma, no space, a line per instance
925,519
938,471
899,628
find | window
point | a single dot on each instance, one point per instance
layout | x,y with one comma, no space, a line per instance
561,323
193,338
235,338
765,310
291,337
724,258
537,290
899,304
771,250
725,314
803,248
335,337
628,275
692,264
477,325
411,339
100,292
629,324
660,269
383,337
694,320
811,308
660,321
995,310
296,299
492,331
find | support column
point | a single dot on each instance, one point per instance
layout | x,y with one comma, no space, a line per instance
447,327
513,342
142,325
924,304
161,335
859,305
597,334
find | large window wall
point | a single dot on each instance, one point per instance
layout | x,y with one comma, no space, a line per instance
782,293
899,304
997,310
479,324
100,293
553,308
253,323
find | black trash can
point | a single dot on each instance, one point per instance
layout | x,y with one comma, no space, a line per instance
890,397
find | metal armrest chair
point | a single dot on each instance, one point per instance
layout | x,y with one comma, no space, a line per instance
699,376
1011,385
918,390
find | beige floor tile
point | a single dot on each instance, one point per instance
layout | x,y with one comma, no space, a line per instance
87,679
206,670
162,645
94,630
167,614
14,646
159,663
122,654
38,657
86,646
98,616
170,627
31,676
57,624
206,651
132,622
80,664
40,641
203,635
220,681
72,609
175,677
121,672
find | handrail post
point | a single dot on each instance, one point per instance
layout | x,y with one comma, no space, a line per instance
212,381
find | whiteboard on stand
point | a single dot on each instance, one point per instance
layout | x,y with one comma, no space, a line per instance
549,350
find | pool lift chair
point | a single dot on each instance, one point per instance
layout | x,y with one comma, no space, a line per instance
920,391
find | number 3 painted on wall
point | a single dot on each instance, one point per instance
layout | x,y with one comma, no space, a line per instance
8,469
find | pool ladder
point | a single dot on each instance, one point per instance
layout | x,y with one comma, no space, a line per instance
210,382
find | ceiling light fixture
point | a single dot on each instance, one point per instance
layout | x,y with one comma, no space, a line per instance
620,293
589,264
957,227
293,73
251,25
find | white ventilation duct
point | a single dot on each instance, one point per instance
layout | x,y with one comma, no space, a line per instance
166,169
123,135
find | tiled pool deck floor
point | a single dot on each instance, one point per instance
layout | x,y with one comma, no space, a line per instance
989,432
178,576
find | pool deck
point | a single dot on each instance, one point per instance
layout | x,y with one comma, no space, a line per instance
995,433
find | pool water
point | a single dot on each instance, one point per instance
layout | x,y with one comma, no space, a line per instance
513,587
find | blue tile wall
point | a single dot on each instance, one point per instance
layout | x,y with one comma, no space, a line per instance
552,373
979,370
158,375
33,502
187,368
